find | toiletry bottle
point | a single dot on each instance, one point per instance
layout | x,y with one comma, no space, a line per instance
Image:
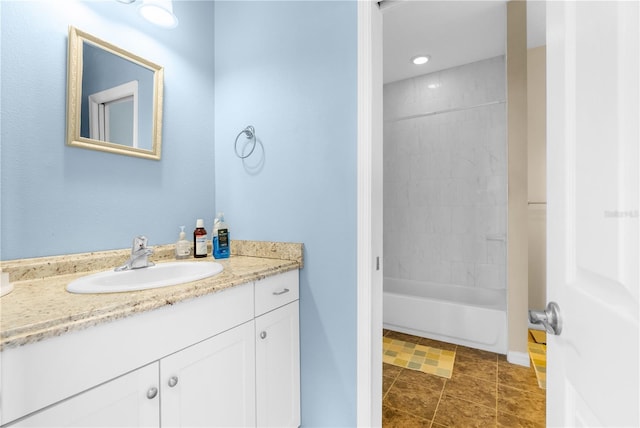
221,238
183,247
200,240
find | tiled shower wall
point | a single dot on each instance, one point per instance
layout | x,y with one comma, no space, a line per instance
445,176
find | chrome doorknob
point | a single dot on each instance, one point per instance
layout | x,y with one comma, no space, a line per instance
173,381
550,318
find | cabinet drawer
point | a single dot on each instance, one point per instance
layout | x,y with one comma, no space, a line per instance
276,291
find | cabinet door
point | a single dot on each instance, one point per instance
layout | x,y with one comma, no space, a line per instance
278,367
131,400
211,383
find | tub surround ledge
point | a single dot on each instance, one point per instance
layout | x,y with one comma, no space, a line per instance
39,306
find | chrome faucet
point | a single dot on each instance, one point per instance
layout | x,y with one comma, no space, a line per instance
139,255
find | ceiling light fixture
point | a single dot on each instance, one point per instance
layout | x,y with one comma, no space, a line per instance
159,12
421,59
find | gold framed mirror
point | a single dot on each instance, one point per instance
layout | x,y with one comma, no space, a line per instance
114,98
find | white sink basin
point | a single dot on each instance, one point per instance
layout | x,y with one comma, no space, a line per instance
160,275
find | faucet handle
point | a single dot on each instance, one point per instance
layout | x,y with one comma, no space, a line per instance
139,242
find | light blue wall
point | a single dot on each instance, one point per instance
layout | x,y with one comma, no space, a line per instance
289,69
58,199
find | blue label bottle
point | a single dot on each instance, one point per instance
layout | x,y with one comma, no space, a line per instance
221,238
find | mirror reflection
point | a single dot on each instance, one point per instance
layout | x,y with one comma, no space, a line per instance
114,98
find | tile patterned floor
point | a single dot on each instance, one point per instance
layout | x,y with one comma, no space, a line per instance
484,391
538,355
413,356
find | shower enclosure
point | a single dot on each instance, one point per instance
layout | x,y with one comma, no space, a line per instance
445,205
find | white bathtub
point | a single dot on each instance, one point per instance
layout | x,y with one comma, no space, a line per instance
469,316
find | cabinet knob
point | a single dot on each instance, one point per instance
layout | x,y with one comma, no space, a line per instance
152,392
263,335
173,381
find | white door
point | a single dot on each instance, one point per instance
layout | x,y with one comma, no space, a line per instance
593,186
212,383
130,400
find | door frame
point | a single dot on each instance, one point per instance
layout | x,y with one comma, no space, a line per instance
369,216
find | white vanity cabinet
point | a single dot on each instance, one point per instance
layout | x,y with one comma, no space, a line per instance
131,400
201,362
278,368
277,352
212,383
209,384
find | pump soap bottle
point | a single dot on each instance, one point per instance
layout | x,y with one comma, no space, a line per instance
200,240
183,247
221,238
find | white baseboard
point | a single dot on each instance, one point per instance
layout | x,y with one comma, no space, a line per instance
519,358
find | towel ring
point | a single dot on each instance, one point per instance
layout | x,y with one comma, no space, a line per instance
250,133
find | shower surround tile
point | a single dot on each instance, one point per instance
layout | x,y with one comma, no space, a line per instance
445,191
464,86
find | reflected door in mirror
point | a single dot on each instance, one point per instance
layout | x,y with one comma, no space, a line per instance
110,82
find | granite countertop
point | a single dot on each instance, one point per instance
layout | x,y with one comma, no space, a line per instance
39,307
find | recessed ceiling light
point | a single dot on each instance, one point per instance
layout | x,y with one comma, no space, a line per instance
419,60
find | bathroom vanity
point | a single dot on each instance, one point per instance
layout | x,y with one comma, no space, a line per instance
223,351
